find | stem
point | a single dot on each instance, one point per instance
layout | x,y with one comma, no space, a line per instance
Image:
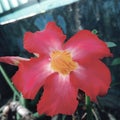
63,117
88,106
9,81
36,115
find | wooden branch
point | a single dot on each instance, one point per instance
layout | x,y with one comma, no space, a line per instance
9,112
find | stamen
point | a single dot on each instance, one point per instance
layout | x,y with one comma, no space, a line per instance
61,62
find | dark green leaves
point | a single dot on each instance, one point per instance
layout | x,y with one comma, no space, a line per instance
116,61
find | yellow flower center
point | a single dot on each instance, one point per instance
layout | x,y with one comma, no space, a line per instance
61,62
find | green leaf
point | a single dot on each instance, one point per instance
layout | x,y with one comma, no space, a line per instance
116,61
111,44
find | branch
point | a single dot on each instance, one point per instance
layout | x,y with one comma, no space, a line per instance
9,112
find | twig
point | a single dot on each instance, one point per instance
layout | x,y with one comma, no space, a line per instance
22,111
9,112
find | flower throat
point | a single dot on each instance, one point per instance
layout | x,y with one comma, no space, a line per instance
61,62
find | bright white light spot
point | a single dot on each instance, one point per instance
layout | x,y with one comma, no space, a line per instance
26,16
5,4
9,21
23,1
14,3
1,10
13,20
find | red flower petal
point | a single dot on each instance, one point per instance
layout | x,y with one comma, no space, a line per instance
12,60
31,76
94,79
43,42
59,97
85,44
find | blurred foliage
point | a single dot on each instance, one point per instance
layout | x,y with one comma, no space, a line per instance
116,61
111,44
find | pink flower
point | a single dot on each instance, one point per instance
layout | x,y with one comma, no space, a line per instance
62,68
